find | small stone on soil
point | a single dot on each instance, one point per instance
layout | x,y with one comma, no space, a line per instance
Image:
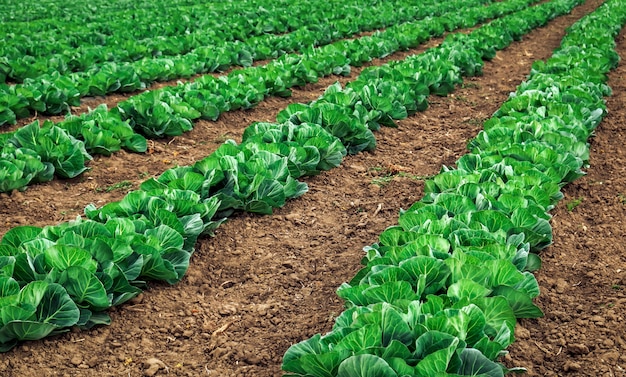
227,310
76,360
561,286
578,349
137,299
292,216
571,366
153,365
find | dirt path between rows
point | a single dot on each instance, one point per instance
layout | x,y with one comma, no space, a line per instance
266,282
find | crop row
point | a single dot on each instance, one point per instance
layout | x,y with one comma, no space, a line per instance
115,48
69,274
441,291
51,91
34,153
52,36
49,13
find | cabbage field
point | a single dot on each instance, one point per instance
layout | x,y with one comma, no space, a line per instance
355,189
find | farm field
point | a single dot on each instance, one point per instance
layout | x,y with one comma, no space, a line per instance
264,283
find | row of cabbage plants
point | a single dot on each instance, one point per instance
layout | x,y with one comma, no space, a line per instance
35,154
143,22
179,30
52,89
44,16
441,291
66,275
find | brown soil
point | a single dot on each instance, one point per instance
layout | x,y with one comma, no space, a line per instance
266,282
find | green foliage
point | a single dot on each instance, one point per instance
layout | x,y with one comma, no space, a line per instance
439,293
117,186
50,81
34,311
34,153
455,271
350,114
570,205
